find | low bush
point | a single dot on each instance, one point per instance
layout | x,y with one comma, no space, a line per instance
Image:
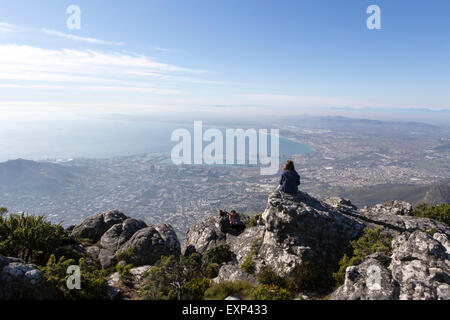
217,255
269,292
371,242
173,278
249,265
195,289
269,277
30,238
222,290
437,212
94,285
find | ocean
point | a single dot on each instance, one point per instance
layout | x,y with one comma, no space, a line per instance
97,138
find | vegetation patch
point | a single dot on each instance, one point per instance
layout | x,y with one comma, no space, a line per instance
225,289
175,278
94,285
30,238
371,242
437,212
249,264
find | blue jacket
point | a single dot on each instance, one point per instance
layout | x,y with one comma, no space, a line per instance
290,180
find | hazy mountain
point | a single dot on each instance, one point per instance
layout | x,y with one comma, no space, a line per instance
434,194
438,194
41,177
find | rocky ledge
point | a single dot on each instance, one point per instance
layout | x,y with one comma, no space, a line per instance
296,229
301,228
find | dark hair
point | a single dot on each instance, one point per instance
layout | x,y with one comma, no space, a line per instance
289,166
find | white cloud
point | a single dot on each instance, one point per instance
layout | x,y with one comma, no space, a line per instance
7,27
167,50
23,66
78,38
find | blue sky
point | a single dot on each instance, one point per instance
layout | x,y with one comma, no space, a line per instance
168,55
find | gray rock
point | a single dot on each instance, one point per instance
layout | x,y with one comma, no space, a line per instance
370,280
421,266
95,226
234,297
93,251
231,272
300,228
202,236
115,237
19,280
149,244
118,290
419,269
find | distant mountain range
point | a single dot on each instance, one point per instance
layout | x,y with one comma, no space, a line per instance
415,194
37,177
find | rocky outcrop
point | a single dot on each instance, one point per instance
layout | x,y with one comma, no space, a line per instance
147,245
95,226
19,280
117,234
393,217
113,239
299,228
419,269
203,235
126,289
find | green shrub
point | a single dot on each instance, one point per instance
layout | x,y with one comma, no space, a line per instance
3,211
211,270
124,272
218,255
269,292
306,278
249,265
30,238
195,289
222,290
269,277
371,242
166,280
94,285
125,255
437,212
253,222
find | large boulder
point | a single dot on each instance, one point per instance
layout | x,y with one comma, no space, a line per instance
115,237
296,229
95,226
300,229
203,235
147,245
419,269
19,280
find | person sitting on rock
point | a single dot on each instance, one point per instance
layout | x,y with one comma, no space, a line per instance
224,222
235,221
290,179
